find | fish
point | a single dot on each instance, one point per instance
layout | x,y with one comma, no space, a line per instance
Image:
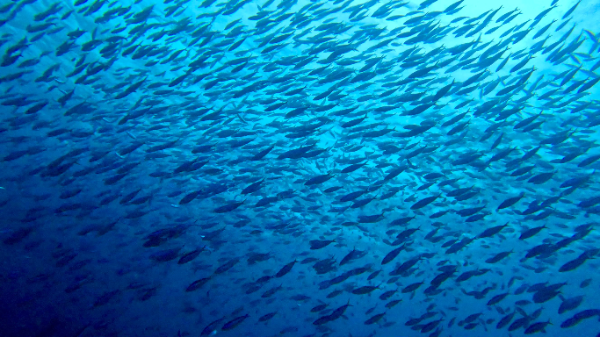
232,324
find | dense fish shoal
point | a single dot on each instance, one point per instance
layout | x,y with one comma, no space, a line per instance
300,168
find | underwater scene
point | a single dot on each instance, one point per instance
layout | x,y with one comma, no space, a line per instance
299,168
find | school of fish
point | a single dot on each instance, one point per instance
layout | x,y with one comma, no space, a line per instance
299,168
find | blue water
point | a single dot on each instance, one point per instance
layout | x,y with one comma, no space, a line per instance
299,168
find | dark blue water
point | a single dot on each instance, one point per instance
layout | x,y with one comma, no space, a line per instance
299,168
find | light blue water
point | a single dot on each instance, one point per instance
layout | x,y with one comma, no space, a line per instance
299,168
